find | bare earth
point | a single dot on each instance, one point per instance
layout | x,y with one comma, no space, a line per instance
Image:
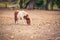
45,25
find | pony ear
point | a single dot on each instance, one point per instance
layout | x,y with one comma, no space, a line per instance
17,10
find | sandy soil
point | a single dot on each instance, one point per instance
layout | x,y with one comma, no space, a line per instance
45,25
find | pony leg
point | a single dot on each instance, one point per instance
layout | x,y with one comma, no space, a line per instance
16,21
28,21
15,16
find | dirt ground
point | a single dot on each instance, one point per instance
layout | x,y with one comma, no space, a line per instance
45,25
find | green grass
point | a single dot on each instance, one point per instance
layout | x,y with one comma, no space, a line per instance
3,4
9,5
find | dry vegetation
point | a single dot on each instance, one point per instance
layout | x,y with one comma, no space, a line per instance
45,25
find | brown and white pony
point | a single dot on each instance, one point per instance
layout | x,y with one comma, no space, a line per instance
22,15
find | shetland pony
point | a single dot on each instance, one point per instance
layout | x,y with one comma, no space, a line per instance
22,15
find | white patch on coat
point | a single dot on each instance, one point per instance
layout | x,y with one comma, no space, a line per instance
21,14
